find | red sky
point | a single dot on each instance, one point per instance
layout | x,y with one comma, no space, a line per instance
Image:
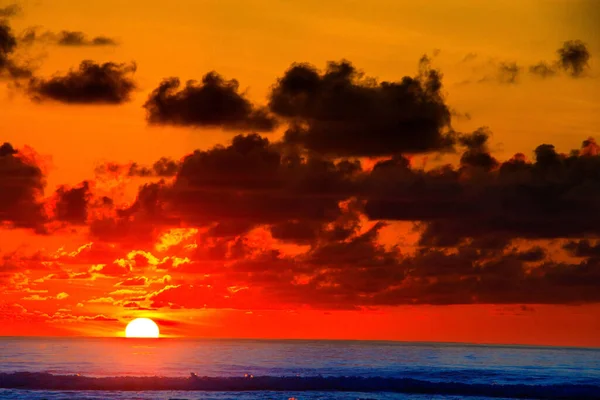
319,179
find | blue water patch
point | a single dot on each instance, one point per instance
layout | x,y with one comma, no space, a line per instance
43,381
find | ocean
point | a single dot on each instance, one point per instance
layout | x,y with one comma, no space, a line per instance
203,369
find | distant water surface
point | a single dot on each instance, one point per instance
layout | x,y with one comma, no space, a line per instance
456,370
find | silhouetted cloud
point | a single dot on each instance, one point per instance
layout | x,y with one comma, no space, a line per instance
543,69
8,66
91,83
72,204
64,38
360,272
22,184
508,72
245,199
573,57
10,10
553,197
213,102
583,248
163,168
341,112
76,38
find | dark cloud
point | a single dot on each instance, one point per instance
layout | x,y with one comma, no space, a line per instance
469,57
583,248
534,254
482,201
508,72
8,66
360,272
467,276
232,189
214,102
91,83
10,11
341,112
72,204
543,69
76,38
163,168
554,196
65,38
22,184
573,57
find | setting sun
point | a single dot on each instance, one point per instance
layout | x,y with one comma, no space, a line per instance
142,328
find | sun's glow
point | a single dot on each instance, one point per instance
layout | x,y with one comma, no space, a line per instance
142,328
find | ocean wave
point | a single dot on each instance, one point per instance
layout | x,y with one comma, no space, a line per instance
46,381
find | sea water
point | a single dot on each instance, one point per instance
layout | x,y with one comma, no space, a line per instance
80,368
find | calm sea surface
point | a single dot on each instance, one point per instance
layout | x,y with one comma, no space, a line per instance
284,369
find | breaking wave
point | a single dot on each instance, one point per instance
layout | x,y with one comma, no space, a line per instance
46,381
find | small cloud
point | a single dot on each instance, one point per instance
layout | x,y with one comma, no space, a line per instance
97,318
10,10
91,83
107,300
214,102
64,38
76,38
469,57
573,57
543,70
36,297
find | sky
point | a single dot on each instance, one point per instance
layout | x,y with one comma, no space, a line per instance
274,169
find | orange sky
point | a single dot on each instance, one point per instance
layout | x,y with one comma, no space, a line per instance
255,42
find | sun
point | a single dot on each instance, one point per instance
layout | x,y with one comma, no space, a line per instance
142,328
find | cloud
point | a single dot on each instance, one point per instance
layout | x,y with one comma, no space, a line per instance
163,168
552,197
233,189
583,248
9,68
36,297
213,102
65,38
97,318
127,292
573,57
22,184
341,112
108,300
72,204
543,69
75,38
508,72
10,10
91,83
360,272
135,281
113,269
